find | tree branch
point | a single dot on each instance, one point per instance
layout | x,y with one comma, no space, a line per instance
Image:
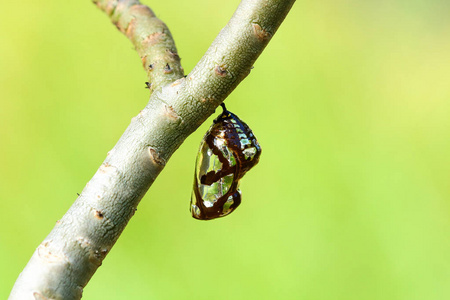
65,261
150,36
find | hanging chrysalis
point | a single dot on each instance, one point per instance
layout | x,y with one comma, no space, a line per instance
228,150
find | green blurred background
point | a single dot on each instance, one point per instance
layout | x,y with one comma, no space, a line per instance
350,200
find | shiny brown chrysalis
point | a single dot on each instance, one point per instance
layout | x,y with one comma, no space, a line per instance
228,150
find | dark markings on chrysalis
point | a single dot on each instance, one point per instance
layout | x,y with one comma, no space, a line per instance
228,150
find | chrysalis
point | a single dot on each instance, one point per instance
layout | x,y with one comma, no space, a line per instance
228,150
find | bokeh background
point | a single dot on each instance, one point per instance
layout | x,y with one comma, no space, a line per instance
350,200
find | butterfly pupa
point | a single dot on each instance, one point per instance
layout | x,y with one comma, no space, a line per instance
228,150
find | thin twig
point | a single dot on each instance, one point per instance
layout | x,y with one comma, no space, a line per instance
150,36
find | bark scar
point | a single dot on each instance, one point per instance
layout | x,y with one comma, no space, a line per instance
156,157
262,34
171,113
167,69
129,31
45,253
153,39
39,296
221,70
106,167
99,215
